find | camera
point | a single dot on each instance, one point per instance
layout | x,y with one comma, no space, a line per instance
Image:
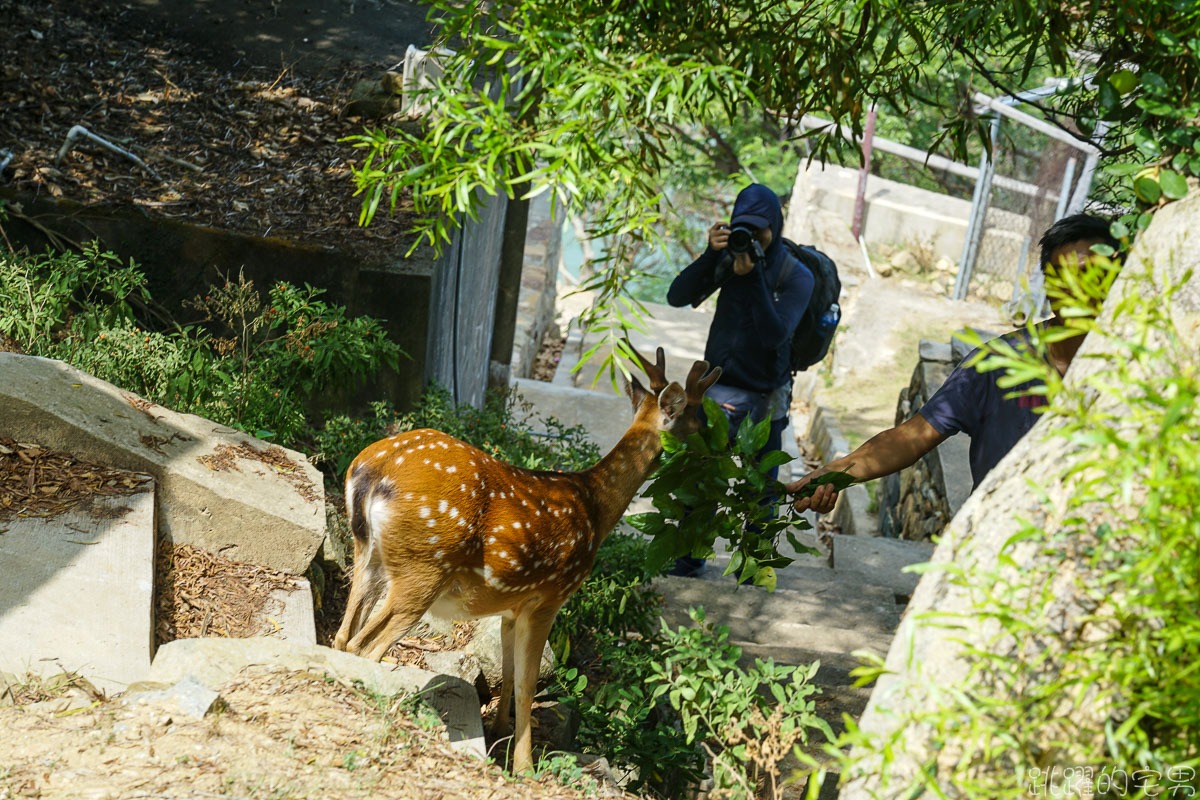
741,239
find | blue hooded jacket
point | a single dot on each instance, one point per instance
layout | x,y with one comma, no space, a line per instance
751,333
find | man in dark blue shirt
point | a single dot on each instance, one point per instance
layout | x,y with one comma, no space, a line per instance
751,332
969,400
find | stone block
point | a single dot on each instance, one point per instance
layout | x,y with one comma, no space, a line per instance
934,351
485,647
77,591
218,488
953,459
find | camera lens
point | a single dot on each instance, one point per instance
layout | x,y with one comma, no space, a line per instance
740,239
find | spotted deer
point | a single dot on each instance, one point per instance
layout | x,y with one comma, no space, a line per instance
441,526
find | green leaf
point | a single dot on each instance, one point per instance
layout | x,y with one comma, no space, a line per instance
1124,81
1174,186
1147,190
773,459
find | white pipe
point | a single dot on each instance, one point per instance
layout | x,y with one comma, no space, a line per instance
79,130
930,160
866,258
1039,125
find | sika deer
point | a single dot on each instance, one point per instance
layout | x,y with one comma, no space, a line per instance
442,526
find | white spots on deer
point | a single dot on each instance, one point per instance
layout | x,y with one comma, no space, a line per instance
453,512
395,444
442,504
431,523
516,526
491,494
436,465
434,539
491,540
408,495
439,555
451,469
399,460
504,554
424,512
427,461
476,474
472,463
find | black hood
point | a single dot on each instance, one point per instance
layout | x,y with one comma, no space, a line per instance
755,205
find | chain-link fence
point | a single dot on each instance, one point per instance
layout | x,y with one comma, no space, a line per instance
1033,177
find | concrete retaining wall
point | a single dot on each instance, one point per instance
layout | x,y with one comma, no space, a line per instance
438,309
896,213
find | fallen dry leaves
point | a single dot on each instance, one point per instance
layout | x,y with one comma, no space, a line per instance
256,152
202,594
38,482
225,457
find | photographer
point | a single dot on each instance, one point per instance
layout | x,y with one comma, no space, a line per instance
751,332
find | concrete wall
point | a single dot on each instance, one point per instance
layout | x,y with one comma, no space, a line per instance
896,213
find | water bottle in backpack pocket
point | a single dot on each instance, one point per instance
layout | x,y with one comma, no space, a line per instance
814,333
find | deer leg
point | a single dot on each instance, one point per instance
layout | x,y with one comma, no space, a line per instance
370,578
503,725
532,629
411,594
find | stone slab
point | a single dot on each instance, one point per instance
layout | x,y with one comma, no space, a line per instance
247,512
214,662
850,513
296,622
934,351
784,633
882,560
78,592
750,602
605,415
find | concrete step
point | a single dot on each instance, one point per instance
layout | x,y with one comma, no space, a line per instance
786,633
817,582
78,591
605,415
752,602
882,560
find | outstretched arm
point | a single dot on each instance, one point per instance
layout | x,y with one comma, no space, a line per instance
882,454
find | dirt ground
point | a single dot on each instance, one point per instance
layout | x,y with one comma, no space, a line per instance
278,735
253,145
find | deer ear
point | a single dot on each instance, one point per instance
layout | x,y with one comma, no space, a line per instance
635,391
672,402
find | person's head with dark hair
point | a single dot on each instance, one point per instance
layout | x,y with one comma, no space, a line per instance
1074,234
1066,248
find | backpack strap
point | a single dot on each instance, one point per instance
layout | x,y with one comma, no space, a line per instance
784,272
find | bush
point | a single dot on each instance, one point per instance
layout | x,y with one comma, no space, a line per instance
264,361
494,429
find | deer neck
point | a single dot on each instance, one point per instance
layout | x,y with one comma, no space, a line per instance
617,477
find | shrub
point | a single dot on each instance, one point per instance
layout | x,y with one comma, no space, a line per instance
263,363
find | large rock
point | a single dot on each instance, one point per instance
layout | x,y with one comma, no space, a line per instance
929,656
218,488
485,646
214,662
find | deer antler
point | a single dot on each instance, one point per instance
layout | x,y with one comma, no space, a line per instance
696,385
657,372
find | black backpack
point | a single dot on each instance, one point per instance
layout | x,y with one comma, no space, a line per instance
810,341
